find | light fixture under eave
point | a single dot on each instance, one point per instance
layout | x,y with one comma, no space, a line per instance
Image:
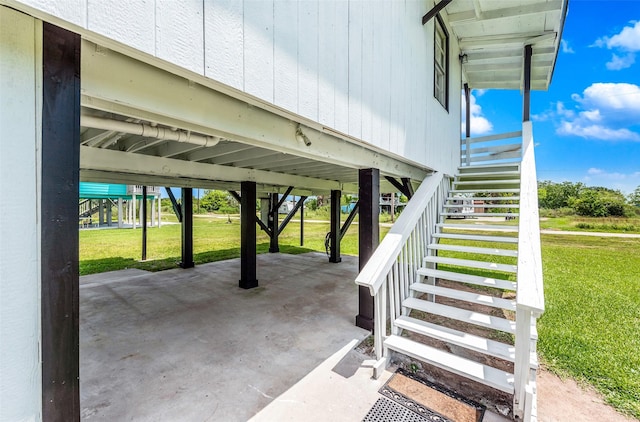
464,58
301,137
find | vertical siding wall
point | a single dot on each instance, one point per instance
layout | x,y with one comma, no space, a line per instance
364,68
20,90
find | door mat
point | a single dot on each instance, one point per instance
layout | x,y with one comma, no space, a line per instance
430,400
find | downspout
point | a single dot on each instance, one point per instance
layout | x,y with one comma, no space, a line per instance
148,131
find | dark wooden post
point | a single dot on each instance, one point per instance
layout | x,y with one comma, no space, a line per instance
144,223
248,278
187,228
273,223
334,236
526,106
59,214
368,237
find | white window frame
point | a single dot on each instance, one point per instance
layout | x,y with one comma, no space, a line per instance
441,63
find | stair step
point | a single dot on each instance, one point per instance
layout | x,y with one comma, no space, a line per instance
485,198
490,174
494,302
482,214
476,371
488,181
483,265
489,167
459,338
488,190
468,278
482,206
488,227
472,249
476,318
476,237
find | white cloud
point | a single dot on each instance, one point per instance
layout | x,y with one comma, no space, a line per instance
605,111
480,125
566,48
594,170
627,41
624,62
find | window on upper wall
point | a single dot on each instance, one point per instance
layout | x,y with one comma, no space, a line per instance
441,63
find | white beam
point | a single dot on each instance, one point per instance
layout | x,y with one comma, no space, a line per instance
501,41
167,169
113,82
508,12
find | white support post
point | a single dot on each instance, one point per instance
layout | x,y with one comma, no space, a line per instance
159,210
134,206
120,213
153,211
523,357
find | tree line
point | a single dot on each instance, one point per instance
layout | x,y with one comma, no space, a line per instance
590,201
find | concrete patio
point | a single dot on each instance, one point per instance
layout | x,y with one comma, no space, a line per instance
190,345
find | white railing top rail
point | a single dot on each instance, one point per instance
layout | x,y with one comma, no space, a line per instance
375,271
530,293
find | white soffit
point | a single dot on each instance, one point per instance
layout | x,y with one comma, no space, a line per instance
492,35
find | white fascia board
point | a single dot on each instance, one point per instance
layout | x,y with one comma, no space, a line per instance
158,169
116,83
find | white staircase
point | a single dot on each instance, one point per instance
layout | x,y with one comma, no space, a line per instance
479,268
464,296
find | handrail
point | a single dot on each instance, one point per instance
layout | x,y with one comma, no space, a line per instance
530,293
530,288
375,271
493,149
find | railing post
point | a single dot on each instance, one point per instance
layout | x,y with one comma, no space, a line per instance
523,359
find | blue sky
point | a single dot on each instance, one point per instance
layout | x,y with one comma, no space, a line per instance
587,126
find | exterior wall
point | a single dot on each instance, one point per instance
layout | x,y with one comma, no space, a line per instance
362,68
20,135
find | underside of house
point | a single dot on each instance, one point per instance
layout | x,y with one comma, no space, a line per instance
269,99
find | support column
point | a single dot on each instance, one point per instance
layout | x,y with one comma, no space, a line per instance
120,213
134,206
368,237
187,228
153,211
109,212
60,184
526,106
100,212
143,218
334,235
159,210
273,223
248,263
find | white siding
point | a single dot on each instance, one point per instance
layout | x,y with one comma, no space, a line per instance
20,382
364,68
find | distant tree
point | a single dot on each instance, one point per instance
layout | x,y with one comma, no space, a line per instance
600,202
218,201
634,198
552,195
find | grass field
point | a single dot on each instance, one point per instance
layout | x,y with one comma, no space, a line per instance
590,330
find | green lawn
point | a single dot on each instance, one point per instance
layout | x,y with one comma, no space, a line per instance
590,330
591,327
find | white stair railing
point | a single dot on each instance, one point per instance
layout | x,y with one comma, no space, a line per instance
394,264
491,149
530,292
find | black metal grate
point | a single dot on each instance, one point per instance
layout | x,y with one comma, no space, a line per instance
385,410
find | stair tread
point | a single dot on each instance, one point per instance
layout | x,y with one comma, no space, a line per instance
464,315
473,249
488,190
486,198
490,173
477,237
488,182
488,166
477,298
469,278
496,206
476,371
460,338
484,265
483,214
487,227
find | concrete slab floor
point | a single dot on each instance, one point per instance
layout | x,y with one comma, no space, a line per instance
189,345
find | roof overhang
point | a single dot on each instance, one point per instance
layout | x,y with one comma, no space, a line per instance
492,35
